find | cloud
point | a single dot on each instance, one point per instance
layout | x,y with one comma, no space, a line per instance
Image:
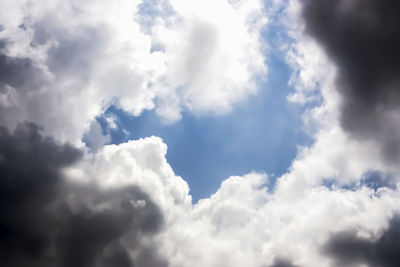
340,154
75,59
140,163
16,71
122,205
361,38
46,221
243,224
212,65
280,262
337,154
348,249
95,138
129,193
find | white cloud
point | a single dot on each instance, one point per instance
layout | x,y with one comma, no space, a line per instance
88,55
112,121
242,224
213,53
140,162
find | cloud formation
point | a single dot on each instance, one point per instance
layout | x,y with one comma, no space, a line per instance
46,221
76,59
348,249
362,39
64,62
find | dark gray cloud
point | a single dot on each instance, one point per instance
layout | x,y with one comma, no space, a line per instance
282,262
346,249
3,42
19,78
17,72
45,221
362,37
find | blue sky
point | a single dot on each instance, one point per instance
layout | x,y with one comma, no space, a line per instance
261,134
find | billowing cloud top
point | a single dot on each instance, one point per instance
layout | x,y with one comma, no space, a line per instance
62,63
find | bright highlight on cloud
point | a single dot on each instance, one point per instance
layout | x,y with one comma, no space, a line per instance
63,63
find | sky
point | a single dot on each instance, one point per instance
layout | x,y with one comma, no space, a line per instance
207,133
262,134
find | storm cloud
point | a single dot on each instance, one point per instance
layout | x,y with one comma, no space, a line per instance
363,39
347,249
46,221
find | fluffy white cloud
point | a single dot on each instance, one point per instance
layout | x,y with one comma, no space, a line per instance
213,54
140,162
72,59
242,223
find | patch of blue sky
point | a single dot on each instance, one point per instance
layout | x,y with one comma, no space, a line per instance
150,10
261,134
371,179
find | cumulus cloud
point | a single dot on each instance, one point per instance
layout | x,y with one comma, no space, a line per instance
124,205
337,153
64,63
340,156
348,249
243,224
45,221
361,37
213,61
140,162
